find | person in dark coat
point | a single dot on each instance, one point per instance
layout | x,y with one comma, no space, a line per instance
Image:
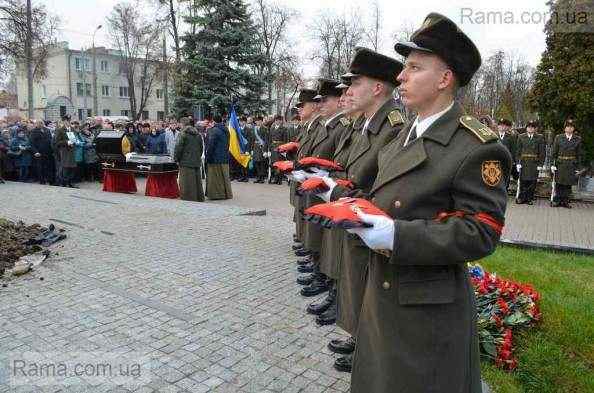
22,153
4,147
509,141
41,141
188,154
258,138
155,143
218,183
141,142
530,156
278,135
64,140
568,154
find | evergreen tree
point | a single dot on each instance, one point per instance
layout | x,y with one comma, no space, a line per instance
564,80
219,59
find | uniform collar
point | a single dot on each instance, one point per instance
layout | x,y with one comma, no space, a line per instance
313,121
331,122
568,136
423,125
376,120
443,127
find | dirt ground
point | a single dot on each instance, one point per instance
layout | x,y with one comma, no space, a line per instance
13,237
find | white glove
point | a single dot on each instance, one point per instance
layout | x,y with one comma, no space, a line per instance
518,167
380,236
297,176
553,168
577,173
539,168
331,184
251,153
70,143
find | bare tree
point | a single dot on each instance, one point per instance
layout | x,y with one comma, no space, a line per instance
500,87
374,30
137,40
271,23
403,33
337,38
27,34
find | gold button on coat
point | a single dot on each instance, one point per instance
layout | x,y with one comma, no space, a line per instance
397,204
386,285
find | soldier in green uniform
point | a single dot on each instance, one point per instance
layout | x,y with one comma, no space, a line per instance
331,238
326,308
567,161
324,143
373,80
308,112
276,137
509,141
293,127
442,183
258,142
530,156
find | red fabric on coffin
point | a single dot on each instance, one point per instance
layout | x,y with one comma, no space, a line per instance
162,185
118,181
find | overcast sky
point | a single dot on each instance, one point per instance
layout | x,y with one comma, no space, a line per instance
524,36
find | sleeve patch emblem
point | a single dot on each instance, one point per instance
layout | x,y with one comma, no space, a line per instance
491,172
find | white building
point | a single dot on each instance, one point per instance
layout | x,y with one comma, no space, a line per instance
68,87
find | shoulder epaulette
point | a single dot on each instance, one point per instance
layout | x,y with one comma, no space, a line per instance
481,131
345,121
395,118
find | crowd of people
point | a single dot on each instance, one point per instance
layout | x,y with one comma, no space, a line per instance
37,150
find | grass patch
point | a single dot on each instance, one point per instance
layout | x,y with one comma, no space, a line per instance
558,354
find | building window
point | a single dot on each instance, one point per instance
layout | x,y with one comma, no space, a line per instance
83,89
105,91
106,112
122,69
145,115
78,63
124,91
125,112
44,91
89,113
104,66
159,93
81,114
160,115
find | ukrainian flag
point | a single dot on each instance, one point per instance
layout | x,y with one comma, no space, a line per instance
237,142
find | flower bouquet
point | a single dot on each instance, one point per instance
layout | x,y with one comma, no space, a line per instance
503,307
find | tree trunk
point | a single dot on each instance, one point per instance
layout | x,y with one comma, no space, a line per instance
29,62
269,81
175,32
165,77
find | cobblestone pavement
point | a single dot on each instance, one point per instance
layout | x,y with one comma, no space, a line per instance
203,296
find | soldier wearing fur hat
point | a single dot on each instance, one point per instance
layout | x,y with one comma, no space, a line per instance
277,136
567,163
372,79
530,156
508,139
310,118
442,182
322,145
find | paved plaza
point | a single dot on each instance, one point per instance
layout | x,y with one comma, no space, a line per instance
205,293
202,295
